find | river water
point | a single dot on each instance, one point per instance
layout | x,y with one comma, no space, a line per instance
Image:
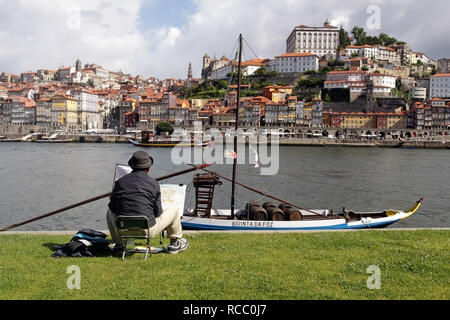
39,178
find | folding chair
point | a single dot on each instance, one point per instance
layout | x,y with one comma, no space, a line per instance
134,227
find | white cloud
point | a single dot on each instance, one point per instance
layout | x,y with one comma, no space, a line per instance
48,33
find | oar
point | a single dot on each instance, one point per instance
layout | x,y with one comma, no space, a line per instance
179,173
259,192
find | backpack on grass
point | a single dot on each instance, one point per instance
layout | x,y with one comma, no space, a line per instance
85,243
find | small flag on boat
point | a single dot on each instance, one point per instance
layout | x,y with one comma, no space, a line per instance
255,157
230,154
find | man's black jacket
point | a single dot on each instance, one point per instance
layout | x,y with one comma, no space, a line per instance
137,194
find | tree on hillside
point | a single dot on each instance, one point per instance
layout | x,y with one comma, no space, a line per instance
358,35
372,40
261,72
220,84
360,38
164,127
307,89
325,69
386,40
344,39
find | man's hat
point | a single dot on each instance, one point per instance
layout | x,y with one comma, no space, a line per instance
140,160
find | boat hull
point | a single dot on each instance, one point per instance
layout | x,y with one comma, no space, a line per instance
170,144
324,223
52,141
190,223
390,146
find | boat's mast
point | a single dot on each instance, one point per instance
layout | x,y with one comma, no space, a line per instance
236,125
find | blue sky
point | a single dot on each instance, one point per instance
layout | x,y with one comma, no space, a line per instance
156,13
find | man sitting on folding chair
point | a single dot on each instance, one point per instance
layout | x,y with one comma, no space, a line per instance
137,194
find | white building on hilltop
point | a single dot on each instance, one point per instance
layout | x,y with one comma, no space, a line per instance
321,41
294,63
210,65
248,68
377,52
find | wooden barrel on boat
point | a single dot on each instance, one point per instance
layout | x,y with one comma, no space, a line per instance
268,205
256,212
251,204
248,208
275,214
285,207
293,215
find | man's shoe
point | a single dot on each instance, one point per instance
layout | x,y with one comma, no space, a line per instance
116,248
177,245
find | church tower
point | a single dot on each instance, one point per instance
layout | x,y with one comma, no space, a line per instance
78,65
206,64
206,61
189,76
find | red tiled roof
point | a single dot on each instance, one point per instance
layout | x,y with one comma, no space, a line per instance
295,54
322,27
386,48
380,75
353,47
441,75
30,103
347,72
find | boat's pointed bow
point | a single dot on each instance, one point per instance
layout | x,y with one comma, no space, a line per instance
413,210
407,213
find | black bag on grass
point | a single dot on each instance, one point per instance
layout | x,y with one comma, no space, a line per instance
86,243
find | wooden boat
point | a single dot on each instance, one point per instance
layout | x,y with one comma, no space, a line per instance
282,217
393,146
42,138
53,140
149,140
324,220
5,139
169,143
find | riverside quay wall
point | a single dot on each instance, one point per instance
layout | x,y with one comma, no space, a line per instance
358,143
305,142
410,138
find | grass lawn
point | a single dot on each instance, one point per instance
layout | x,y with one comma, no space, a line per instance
294,266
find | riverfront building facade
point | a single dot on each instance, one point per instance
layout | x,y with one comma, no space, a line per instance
64,112
440,85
